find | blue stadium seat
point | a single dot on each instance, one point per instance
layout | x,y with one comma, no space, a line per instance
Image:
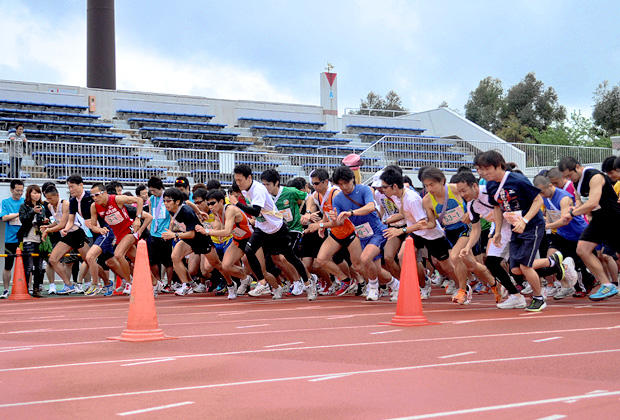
46,105
204,175
188,133
7,122
356,128
189,164
42,158
130,112
142,122
200,143
261,130
69,135
308,167
49,114
277,122
57,170
270,139
299,159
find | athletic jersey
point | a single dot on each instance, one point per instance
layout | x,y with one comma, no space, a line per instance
569,187
209,225
242,230
367,225
573,230
617,187
270,219
286,202
413,209
57,214
10,206
608,205
116,217
390,208
480,209
326,205
516,196
454,213
161,217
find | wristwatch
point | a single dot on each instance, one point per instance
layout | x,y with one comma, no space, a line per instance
321,225
404,230
571,212
525,221
176,235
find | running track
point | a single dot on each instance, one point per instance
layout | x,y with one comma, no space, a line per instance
292,359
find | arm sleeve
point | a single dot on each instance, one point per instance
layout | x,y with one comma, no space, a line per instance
251,210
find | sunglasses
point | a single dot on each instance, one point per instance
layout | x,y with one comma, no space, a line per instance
168,200
211,203
97,194
316,183
198,202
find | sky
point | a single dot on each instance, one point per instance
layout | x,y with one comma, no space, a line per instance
426,51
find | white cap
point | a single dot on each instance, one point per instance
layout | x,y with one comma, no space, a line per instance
376,182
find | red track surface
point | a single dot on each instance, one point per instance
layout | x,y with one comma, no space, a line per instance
258,358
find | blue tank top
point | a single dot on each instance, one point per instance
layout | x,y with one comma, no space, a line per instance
573,230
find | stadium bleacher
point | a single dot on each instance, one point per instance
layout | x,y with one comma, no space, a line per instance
42,158
383,129
148,132
142,122
41,105
271,139
262,129
200,143
125,113
249,121
57,170
6,123
48,114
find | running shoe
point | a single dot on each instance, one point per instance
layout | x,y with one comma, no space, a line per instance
373,293
361,288
478,288
200,288
579,294
571,273
352,288
120,288
108,290
438,280
461,297
513,302
496,293
564,292
277,293
155,291
160,286
343,288
559,259
527,290
298,288
184,290
51,290
383,291
604,292
220,289
232,292
260,289
244,285
127,290
536,305
167,289
92,290
175,286
551,290
425,292
395,285
450,287
394,297
5,294
311,288
77,288
65,290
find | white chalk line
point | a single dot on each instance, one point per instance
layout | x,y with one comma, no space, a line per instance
161,407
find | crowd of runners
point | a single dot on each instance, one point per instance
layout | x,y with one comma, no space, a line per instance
490,230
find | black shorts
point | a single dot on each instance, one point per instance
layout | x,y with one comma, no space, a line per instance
75,239
310,245
200,245
454,235
9,249
295,242
342,255
484,239
602,230
160,252
271,243
438,248
524,246
346,241
241,243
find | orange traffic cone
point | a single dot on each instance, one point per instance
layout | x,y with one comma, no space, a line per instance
118,283
142,320
409,305
20,286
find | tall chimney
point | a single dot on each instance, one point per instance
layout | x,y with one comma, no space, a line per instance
100,45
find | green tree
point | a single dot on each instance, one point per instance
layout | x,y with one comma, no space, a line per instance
513,131
532,104
606,113
578,131
485,103
374,104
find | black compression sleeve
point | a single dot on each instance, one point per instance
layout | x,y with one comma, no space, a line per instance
252,211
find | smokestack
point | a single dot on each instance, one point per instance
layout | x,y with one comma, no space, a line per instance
100,45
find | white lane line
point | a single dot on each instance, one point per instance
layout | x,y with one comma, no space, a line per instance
230,313
19,349
253,326
554,417
361,372
328,377
48,317
597,391
457,355
508,406
328,346
166,359
283,345
385,332
546,339
29,331
57,344
340,317
161,407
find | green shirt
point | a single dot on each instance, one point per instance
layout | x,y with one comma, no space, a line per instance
286,202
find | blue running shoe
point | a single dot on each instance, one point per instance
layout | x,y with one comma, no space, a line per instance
108,290
71,289
604,292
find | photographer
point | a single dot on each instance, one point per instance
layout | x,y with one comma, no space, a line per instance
32,216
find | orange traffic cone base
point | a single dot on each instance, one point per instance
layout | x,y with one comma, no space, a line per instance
409,321
19,291
137,336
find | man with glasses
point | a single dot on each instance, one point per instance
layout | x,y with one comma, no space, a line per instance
10,215
161,250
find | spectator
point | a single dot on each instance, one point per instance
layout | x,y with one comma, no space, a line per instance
17,142
32,216
10,215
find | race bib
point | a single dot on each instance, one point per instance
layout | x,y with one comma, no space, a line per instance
364,231
15,222
238,232
162,213
513,217
554,215
113,218
453,216
287,215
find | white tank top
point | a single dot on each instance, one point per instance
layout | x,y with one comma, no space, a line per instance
57,213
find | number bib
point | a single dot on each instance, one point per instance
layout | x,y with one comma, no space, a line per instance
453,216
238,232
287,215
113,218
554,215
364,231
513,217
15,222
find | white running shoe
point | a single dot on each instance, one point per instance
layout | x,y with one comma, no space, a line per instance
51,290
394,297
120,288
127,290
298,288
438,280
77,288
564,292
425,292
551,290
373,293
260,289
451,288
311,289
199,288
184,290
571,273
244,285
232,292
513,302
277,294
160,286
352,289
527,290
